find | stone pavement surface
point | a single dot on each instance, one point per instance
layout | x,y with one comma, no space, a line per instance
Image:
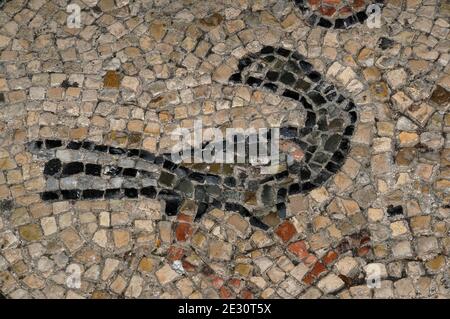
90,207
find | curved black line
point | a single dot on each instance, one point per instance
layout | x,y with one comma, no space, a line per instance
313,97
325,140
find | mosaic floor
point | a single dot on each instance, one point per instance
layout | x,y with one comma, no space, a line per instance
93,206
